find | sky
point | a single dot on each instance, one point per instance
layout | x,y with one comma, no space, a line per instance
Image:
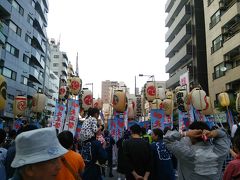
115,39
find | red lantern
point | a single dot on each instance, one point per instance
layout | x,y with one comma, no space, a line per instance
39,102
150,91
97,103
75,85
87,99
119,101
3,92
19,105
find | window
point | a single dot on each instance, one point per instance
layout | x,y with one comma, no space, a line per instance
217,43
15,28
55,64
11,49
218,71
9,73
215,18
18,7
56,56
26,59
28,39
24,80
30,20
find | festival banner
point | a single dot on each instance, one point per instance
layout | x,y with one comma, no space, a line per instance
229,118
145,124
72,115
168,121
201,117
183,120
17,124
116,126
157,118
78,130
59,116
131,123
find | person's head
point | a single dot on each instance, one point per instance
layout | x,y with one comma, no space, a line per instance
135,129
26,128
66,139
12,134
106,132
93,112
157,134
198,125
38,154
166,129
2,136
144,131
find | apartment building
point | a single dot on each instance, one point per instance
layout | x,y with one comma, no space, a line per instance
22,61
222,18
187,47
107,87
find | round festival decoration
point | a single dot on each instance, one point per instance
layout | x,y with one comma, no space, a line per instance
3,92
150,91
87,99
62,92
238,103
209,109
98,103
157,104
75,85
168,106
169,95
160,93
180,99
223,99
19,105
199,99
38,102
119,101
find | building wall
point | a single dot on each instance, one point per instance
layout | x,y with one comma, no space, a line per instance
25,30
186,37
223,56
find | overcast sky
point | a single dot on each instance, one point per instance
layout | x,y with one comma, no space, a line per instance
115,39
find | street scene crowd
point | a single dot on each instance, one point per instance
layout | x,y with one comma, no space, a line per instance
200,153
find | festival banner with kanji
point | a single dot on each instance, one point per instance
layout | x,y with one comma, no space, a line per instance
78,130
59,116
201,117
157,118
72,115
145,124
131,123
116,126
183,120
17,124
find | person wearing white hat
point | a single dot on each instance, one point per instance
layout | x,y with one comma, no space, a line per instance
38,154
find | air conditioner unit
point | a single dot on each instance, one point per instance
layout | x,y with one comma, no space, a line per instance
227,58
221,5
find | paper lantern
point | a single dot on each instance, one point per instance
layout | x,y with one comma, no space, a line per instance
119,101
38,102
198,99
209,108
62,92
3,92
87,99
75,85
238,103
168,106
180,98
98,103
160,93
150,91
169,95
223,99
19,105
157,104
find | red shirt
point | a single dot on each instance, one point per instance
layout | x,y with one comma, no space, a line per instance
232,170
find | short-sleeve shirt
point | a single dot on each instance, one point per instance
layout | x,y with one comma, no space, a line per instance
75,160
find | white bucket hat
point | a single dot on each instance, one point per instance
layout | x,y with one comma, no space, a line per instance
37,146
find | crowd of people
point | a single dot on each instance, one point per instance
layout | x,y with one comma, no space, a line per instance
200,153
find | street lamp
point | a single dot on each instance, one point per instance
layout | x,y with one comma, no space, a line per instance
91,84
